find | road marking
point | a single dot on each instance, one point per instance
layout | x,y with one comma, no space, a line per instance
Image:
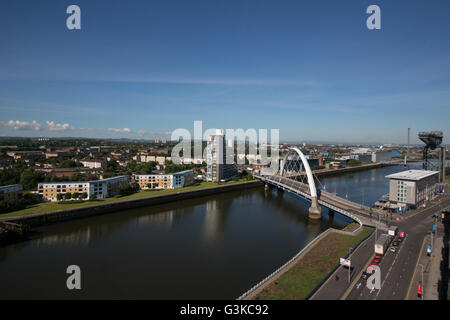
358,285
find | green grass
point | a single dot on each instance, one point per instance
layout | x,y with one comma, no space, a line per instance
60,206
351,227
301,279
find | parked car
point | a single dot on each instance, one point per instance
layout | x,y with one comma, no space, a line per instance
376,260
392,249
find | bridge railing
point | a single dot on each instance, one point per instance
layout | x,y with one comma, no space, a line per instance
290,184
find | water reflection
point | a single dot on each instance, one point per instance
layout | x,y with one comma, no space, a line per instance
80,237
161,218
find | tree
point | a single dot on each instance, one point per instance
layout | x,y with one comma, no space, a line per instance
92,197
59,196
68,164
75,195
30,178
112,165
67,196
353,163
77,176
84,195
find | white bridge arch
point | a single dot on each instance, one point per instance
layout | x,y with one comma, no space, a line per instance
287,166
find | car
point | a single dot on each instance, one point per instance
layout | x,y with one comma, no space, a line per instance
395,243
370,269
365,275
378,256
401,235
392,249
376,260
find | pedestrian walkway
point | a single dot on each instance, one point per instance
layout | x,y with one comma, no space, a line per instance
428,272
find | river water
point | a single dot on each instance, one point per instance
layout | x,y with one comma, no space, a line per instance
207,248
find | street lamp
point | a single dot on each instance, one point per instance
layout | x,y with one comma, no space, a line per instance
349,253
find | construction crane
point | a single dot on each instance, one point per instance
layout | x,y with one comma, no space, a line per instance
432,140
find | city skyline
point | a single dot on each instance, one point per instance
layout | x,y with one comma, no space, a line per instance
143,70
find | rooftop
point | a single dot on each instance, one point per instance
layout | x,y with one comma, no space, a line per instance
415,175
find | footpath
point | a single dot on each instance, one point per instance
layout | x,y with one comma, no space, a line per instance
428,269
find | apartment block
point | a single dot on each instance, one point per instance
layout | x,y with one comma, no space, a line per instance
217,168
165,181
100,188
10,192
94,164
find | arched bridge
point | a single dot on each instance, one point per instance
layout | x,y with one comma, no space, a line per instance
295,175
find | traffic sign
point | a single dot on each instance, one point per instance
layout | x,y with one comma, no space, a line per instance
434,227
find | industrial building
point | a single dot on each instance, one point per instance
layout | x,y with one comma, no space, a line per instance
412,187
99,188
364,158
165,181
381,155
10,192
217,168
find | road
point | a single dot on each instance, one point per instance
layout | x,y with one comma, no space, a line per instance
398,268
335,287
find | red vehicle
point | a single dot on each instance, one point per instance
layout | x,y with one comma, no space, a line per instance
376,260
401,235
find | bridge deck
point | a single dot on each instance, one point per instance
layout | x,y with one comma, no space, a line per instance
351,209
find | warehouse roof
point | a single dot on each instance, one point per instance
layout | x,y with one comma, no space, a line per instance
415,175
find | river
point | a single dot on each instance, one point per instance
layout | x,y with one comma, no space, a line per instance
206,248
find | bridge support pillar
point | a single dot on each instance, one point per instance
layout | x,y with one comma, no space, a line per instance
315,211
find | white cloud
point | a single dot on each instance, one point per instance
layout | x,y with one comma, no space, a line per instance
52,126
23,125
124,130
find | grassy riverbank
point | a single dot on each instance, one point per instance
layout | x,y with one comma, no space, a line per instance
64,205
306,274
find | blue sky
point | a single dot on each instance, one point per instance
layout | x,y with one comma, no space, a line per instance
140,69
